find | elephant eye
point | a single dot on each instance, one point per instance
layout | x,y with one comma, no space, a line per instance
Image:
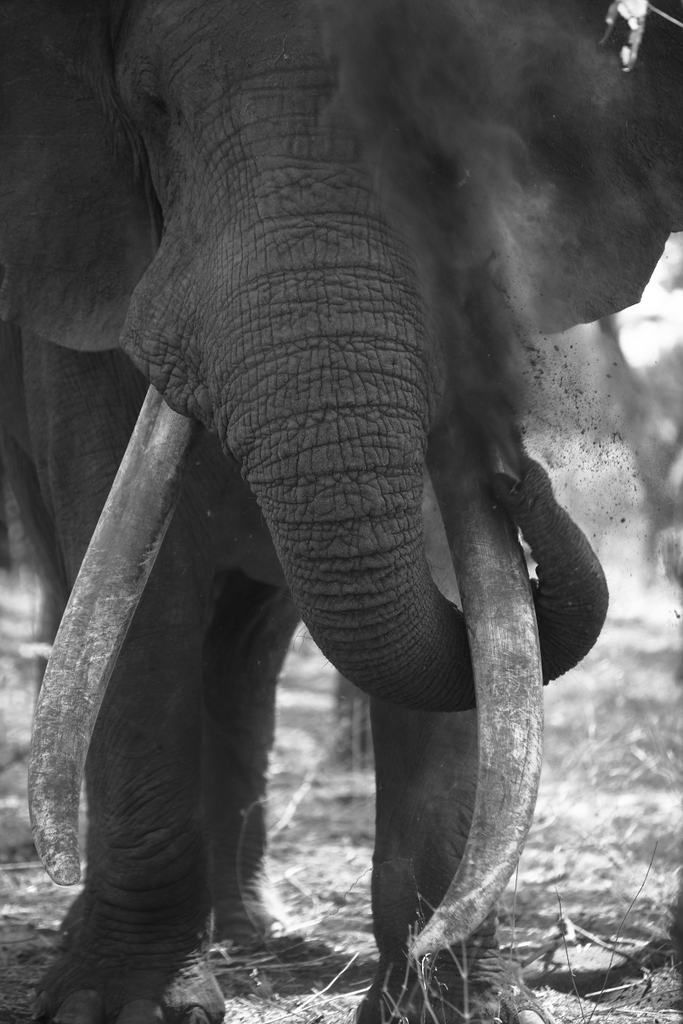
157,105
152,107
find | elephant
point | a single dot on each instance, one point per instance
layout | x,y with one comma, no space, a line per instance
267,268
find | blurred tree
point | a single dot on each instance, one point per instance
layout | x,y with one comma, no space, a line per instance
4,531
353,748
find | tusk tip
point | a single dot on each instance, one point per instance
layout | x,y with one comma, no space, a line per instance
434,937
508,468
63,870
61,860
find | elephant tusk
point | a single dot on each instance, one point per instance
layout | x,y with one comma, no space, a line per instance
106,593
504,645
437,551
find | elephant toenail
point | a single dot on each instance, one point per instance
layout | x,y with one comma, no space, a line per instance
141,1011
84,1007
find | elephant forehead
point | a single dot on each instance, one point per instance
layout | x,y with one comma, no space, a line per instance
170,46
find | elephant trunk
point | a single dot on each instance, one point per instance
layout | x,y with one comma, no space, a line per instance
354,558
346,522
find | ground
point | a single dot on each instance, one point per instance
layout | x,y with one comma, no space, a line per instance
588,912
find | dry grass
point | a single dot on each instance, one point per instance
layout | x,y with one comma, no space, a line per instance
589,914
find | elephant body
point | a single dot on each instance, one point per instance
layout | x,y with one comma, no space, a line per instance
322,231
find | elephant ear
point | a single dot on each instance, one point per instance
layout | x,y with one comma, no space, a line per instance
510,125
598,184
75,225
605,148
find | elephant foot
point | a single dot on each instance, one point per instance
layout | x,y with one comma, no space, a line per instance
94,990
487,989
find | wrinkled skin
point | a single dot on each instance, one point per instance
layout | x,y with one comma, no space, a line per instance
187,199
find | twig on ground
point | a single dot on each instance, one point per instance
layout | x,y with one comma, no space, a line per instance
566,951
316,995
290,810
541,951
616,988
35,649
424,975
288,876
674,1015
21,865
612,948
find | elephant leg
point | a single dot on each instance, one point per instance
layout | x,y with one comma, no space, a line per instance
244,648
144,913
138,938
426,767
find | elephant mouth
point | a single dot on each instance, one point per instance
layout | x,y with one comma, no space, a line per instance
501,625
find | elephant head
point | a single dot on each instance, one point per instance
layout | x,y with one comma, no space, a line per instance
322,231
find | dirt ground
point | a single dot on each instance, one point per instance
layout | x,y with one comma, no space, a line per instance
588,913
